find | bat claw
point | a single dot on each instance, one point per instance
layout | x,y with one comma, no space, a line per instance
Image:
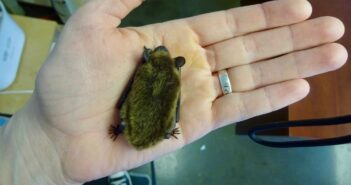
114,132
173,133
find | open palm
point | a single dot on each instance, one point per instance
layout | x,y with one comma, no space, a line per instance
266,50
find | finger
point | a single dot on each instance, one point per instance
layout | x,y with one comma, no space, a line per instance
275,42
222,25
301,64
236,107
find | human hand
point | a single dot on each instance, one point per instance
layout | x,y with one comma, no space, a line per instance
267,50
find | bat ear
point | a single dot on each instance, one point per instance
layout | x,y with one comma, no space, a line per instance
179,61
147,53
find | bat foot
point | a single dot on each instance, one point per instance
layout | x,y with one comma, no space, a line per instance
173,134
114,131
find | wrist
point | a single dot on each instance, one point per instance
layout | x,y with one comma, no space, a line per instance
27,154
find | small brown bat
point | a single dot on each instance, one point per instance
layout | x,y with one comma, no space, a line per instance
150,108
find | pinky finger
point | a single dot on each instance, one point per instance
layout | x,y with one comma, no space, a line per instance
237,107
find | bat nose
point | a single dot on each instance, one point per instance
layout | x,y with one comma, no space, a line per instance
161,48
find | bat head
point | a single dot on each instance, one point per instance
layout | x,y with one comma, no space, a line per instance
161,53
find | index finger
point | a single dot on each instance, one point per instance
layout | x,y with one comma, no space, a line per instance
218,26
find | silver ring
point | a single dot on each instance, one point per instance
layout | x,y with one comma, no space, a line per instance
225,82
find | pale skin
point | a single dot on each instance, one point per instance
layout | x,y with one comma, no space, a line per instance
61,135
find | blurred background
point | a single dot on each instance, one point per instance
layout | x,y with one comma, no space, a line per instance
225,156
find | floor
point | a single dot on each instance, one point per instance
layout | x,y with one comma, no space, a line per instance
154,11
224,158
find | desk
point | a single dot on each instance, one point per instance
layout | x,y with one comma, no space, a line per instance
39,37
